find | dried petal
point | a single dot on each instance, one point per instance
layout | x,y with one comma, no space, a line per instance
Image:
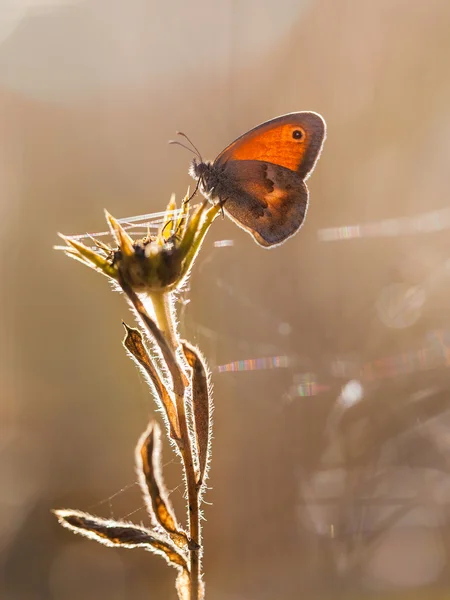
193,227
92,259
122,238
168,225
148,461
183,215
196,228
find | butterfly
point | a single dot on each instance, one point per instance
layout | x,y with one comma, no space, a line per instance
260,178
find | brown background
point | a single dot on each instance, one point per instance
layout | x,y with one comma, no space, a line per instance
309,499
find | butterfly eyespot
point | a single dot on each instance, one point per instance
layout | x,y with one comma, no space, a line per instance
297,134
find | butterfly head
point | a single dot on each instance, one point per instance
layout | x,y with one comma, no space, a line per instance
204,173
199,169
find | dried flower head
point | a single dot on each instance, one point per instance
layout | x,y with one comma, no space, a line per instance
155,263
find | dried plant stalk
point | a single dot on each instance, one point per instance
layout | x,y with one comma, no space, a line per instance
148,271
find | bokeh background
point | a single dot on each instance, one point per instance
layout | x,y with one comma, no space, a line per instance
331,453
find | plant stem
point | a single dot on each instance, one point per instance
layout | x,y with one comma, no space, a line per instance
165,319
162,304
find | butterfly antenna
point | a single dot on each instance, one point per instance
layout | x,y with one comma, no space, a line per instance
197,152
193,148
177,143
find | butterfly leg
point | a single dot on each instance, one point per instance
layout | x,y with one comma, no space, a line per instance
221,203
186,200
168,224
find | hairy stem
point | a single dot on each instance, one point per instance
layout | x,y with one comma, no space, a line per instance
163,306
167,321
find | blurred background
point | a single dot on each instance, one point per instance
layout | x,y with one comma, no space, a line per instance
330,474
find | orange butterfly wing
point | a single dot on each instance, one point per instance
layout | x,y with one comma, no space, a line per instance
260,177
279,143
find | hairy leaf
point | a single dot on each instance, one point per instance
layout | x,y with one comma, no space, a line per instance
120,534
134,344
148,461
201,403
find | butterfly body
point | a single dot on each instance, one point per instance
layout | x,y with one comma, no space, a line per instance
260,177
